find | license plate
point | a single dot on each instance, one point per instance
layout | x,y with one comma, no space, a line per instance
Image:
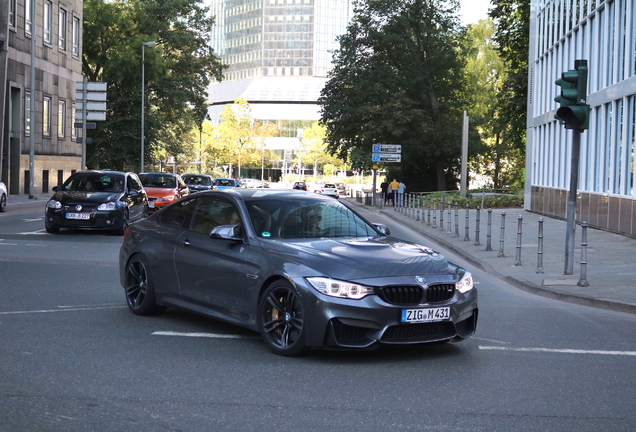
425,315
81,216
151,205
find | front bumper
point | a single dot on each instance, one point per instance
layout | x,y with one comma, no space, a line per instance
370,322
102,220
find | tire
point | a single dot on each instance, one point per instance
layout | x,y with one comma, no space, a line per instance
124,223
281,320
52,230
3,203
140,289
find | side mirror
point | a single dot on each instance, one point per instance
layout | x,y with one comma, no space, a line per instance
384,230
227,232
56,188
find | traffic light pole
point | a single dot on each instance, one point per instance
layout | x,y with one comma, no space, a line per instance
571,209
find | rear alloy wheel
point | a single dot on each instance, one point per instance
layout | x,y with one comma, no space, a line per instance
281,320
140,289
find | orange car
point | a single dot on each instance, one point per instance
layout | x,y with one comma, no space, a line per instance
162,189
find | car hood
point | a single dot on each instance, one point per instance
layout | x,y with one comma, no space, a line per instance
364,258
79,197
159,192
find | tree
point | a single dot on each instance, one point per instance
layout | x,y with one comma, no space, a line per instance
398,78
177,70
512,18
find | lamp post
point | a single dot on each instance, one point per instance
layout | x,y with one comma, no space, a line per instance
143,95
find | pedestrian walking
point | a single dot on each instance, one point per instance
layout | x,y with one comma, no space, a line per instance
401,191
384,187
394,186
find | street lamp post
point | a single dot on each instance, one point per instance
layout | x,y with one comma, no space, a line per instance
143,95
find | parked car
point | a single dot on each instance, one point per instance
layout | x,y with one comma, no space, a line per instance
300,185
343,189
225,183
330,189
198,182
163,188
3,197
106,200
306,271
316,186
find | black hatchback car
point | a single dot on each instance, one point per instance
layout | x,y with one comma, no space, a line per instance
103,200
304,270
198,182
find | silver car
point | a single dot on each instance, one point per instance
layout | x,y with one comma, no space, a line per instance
3,197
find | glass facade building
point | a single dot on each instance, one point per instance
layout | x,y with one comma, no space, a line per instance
278,54
604,34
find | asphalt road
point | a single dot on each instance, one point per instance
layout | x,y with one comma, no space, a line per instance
72,358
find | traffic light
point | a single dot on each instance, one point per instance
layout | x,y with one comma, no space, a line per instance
574,112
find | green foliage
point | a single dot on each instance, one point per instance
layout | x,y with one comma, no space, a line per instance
177,73
398,77
474,199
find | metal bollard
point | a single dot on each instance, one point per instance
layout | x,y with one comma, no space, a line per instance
456,219
467,230
519,230
418,206
428,211
449,223
489,231
501,234
441,215
477,219
583,280
540,248
434,213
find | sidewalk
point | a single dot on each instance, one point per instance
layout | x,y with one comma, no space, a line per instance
610,270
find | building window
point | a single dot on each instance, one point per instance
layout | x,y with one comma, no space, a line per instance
61,118
46,116
27,17
62,30
12,8
27,112
48,22
73,130
76,36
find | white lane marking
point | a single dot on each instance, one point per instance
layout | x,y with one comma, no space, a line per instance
8,244
491,340
67,309
33,220
201,335
560,351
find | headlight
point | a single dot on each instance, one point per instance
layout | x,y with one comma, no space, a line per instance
466,284
341,289
54,204
167,198
109,206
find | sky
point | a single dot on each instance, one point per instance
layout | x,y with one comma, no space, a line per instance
474,10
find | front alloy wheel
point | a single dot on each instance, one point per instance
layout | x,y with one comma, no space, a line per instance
281,320
140,290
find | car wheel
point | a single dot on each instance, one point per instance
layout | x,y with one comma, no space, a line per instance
52,230
281,320
124,223
3,202
140,289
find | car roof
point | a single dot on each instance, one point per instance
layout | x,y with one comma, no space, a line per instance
253,194
159,173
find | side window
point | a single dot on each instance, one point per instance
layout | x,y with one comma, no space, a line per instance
179,215
133,183
211,212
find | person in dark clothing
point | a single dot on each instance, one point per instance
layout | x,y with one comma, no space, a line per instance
384,187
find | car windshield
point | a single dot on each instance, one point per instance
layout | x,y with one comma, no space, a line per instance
329,186
197,180
299,218
94,182
158,180
225,182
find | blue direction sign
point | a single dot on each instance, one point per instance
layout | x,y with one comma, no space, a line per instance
387,148
387,157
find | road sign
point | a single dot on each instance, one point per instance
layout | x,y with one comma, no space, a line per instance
91,115
387,157
387,148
